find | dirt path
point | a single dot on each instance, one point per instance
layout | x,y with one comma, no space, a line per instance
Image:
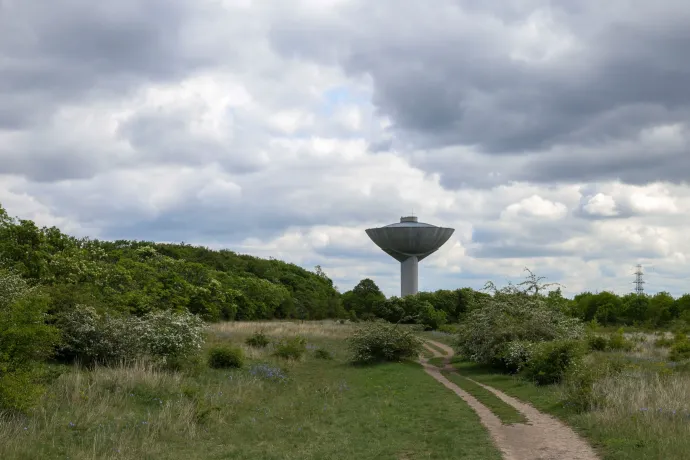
543,437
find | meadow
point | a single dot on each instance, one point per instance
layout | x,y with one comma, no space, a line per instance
271,408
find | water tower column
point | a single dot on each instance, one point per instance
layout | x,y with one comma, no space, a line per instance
409,276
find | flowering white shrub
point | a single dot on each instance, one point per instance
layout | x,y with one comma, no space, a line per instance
516,354
94,338
497,332
12,288
168,334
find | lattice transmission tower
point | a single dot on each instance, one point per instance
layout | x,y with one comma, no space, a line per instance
639,289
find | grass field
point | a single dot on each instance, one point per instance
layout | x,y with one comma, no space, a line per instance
271,409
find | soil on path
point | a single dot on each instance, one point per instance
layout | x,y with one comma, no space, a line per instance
543,437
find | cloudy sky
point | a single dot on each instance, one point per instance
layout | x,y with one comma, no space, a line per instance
549,134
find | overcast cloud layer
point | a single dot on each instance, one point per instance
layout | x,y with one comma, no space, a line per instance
549,134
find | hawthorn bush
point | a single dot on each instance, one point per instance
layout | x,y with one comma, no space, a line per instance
92,338
500,332
380,341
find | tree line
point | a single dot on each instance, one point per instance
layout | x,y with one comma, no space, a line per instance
140,277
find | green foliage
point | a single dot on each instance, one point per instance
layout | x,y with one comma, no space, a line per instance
680,351
25,341
258,340
664,342
582,375
429,317
223,357
448,328
322,353
362,298
511,315
93,338
291,348
618,342
549,361
138,277
597,342
379,341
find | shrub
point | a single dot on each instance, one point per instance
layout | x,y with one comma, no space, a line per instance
516,355
680,351
223,357
291,348
93,338
511,316
258,340
597,343
25,341
580,378
322,353
166,334
617,341
381,341
549,361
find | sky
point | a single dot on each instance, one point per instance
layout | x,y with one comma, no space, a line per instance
552,135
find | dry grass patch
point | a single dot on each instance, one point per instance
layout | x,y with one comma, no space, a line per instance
317,329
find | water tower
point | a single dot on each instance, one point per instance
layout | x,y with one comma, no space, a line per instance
408,242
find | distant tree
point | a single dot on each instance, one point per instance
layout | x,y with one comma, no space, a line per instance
661,309
362,297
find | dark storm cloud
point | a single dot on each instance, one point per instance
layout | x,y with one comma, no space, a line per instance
446,78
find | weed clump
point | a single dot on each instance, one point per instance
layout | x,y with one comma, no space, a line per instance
680,351
597,343
322,353
223,357
378,341
258,340
618,342
292,348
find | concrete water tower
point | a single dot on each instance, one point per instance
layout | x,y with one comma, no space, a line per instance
408,242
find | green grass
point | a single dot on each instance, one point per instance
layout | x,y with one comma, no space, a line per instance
444,338
327,409
505,412
616,434
437,361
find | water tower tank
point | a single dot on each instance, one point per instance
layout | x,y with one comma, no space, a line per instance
408,242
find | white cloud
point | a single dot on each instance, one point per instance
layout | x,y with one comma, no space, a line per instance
247,134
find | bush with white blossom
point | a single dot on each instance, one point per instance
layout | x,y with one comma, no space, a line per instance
90,337
501,331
